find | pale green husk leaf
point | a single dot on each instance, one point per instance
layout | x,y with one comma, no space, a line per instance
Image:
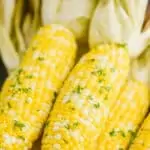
74,14
120,21
6,13
7,50
141,67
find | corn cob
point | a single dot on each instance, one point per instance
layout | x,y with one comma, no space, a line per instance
83,104
28,94
124,119
142,141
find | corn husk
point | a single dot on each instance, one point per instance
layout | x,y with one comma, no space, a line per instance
17,34
7,51
32,21
120,21
6,13
74,14
141,67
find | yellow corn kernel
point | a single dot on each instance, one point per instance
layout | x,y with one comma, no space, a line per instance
29,92
142,140
83,104
125,117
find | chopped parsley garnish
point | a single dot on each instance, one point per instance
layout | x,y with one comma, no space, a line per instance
20,71
21,90
100,80
112,133
40,58
21,137
18,124
18,75
67,126
99,72
122,133
78,89
97,105
90,97
13,85
75,124
26,90
29,76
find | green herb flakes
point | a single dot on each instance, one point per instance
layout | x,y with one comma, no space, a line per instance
97,105
18,124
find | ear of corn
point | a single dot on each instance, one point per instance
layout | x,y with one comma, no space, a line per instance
29,92
130,109
83,105
142,140
126,116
